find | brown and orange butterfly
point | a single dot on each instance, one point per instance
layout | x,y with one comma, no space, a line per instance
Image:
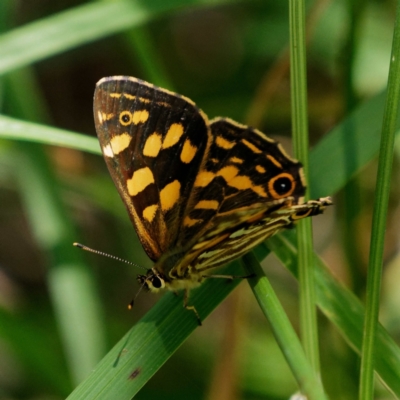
200,193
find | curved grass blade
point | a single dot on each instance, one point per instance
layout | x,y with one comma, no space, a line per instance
83,24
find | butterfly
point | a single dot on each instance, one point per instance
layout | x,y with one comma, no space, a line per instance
199,193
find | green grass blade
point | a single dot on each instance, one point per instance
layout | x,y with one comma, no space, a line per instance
349,147
344,310
379,218
16,129
149,344
284,333
298,84
70,283
83,24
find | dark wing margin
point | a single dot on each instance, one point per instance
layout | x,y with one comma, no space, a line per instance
153,142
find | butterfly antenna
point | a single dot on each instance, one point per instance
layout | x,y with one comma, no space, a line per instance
130,305
101,253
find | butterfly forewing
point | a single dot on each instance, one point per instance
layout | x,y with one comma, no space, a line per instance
153,142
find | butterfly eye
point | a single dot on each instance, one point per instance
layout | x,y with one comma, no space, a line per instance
281,185
125,118
157,282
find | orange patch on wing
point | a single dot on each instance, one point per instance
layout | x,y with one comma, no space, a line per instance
228,172
260,169
207,204
204,178
236,160
150,212
188,152
140,116
274,161
141,178
190,222
223,143
173,135
169,195
251,146
244,182
153,145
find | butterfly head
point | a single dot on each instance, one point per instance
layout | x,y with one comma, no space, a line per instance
153,280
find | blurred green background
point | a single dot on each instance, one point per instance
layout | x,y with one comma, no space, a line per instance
61,310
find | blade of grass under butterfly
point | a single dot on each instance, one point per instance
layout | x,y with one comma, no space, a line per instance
148,344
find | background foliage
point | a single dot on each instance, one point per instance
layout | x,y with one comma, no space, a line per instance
61,311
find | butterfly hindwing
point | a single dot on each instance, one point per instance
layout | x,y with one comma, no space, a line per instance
153,142
243,168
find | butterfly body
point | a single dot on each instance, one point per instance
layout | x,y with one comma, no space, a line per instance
200,193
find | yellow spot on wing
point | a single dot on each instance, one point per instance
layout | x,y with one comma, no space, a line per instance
251,146
169,195
236,160
207,204
173,135
141,178
120,143
150,212
228,172
140,116
204,178
190,222
274,161
223,143
129,96
115,95
188,152
153,145
260,169
105,116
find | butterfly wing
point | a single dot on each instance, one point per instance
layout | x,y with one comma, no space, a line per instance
247,190
153,142
215,251
243,169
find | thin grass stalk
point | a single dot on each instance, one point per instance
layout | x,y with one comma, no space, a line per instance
308,315
380,216
283,331
350,201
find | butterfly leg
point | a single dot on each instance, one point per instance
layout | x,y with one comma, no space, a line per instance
191,308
